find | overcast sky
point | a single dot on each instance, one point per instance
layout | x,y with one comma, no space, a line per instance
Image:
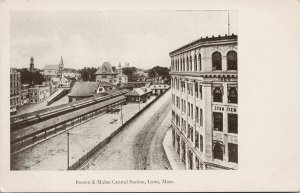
87,39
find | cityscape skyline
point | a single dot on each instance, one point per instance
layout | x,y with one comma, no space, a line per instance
143,39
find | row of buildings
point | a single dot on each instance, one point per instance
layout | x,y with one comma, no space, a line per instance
204,84
21,94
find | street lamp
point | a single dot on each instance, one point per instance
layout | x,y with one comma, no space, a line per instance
68,149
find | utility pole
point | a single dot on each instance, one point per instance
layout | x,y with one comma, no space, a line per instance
121,113
228,24
68,148
139,105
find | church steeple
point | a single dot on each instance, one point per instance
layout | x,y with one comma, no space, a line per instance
31,67
61,64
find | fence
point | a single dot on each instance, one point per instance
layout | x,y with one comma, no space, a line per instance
92,152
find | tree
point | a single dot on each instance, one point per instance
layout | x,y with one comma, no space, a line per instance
31,78
159,71
130,71
88,74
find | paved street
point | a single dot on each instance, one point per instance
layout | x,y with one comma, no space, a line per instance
139,145
52,153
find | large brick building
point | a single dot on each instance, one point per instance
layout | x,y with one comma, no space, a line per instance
204,97
15,90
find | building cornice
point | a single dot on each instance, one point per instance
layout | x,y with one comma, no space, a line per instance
208,41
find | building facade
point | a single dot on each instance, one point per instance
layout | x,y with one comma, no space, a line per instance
38,93
204,88
106,73
53,71
15,90
25,94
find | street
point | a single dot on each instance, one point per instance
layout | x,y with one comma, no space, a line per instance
139,145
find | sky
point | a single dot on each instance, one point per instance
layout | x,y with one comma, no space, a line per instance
89,38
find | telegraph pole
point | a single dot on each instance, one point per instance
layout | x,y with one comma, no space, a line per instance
121,113
228,24
68,149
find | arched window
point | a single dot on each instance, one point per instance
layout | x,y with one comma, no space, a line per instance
218,151
199,58
195,62
232,95
231,60
217,95
191,63
216,61
187,64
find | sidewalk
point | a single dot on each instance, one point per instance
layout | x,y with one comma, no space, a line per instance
173,158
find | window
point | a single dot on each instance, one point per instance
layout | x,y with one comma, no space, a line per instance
201,143
218,151
187,64
189,109
200,90
231,60
216,61
192,109
197,114
199,58
196,89
195,62
232,95
217,95
191,63
232,123
201,117
196,139
232,152
218,121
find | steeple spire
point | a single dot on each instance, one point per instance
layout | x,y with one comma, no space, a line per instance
61,64
31,66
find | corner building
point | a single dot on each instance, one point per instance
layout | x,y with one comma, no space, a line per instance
205,103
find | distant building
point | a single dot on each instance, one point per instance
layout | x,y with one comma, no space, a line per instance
204,82
52,85
67,82
15,90
138,94
53,71
71,73
106,73
82,90
158,89
38,93
122,79
24,94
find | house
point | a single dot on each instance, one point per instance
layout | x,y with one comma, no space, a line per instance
106,73
82,90
138,94
67,82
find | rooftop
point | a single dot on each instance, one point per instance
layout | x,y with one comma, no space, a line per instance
138,91
51,67
84,89
106,68
207,39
